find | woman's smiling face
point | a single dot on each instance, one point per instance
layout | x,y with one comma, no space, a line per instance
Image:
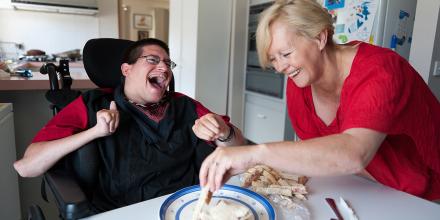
294,55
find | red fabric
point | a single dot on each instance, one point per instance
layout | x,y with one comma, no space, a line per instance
73,119
384,93
202,110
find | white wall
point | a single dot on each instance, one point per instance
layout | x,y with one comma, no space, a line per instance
200,43
424,50
108,18
5,3
208,42
423,36
238,62
161,23
147,7
183,44
434,81
53,32
213,48
49,32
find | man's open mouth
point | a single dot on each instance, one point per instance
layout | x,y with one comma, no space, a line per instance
157,81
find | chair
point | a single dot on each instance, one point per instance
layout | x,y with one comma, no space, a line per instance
72,180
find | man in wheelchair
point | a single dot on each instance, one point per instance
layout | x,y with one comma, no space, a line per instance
151,141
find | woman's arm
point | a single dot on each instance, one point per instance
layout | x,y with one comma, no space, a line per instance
41,156
339,154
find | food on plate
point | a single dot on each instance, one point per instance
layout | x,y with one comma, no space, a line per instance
226,210
267,181
221,210
202,202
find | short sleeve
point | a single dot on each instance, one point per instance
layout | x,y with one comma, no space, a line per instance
379,98
72,119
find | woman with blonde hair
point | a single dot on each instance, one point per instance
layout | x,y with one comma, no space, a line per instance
357,108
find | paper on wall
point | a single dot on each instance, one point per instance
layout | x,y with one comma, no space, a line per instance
354,21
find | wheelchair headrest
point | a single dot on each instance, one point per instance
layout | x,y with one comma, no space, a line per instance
102,59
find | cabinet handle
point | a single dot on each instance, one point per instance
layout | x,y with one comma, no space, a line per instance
261,116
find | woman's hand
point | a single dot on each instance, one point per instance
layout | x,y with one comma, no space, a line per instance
107,120
210,127
225,162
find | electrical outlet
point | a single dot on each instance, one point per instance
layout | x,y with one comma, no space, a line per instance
436,68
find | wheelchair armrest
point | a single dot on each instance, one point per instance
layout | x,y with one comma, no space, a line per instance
35,213
70,198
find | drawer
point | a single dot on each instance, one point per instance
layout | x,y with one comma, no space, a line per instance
263,124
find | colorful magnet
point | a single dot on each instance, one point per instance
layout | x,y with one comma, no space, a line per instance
334,4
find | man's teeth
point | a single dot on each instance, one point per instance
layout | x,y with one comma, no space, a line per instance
156,76
158,79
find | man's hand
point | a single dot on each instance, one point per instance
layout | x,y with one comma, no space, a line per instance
210,127
107,120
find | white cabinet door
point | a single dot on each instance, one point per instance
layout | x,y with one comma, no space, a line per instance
264,120
9,196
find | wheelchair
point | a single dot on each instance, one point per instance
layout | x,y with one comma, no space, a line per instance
72,179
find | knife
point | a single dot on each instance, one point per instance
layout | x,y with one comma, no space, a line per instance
332,204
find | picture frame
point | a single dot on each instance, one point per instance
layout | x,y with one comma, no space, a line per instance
143,34
142,21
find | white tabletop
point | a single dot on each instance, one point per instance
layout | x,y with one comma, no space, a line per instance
369,200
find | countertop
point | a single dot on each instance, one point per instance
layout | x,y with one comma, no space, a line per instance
41,82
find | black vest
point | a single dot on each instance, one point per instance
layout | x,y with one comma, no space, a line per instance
144,159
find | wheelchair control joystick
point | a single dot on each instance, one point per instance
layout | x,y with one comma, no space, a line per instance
59,97
53,71
63,69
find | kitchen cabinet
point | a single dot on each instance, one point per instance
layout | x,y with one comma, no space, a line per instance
9,195
265,119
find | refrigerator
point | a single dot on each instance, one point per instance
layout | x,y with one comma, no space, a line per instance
386,23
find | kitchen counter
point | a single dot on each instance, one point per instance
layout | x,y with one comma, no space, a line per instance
41,82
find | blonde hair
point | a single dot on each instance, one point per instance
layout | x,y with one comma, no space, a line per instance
307,17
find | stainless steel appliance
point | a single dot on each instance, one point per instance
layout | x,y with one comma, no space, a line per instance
265,82
261,81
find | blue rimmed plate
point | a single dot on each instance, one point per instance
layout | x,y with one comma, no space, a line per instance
180,205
